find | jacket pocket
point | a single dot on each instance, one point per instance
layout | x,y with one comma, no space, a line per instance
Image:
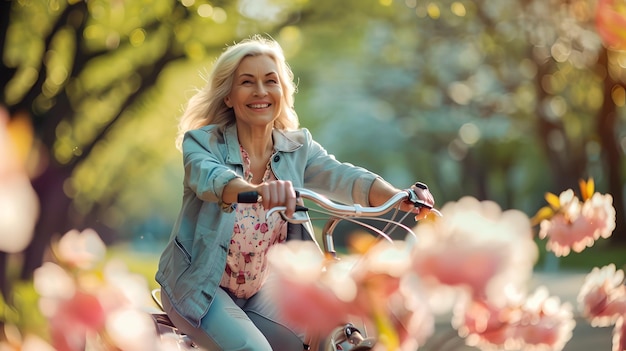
175,261
184,251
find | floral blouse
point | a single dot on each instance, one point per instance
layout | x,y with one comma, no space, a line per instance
253,235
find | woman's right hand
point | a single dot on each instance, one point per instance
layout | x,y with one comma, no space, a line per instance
278,193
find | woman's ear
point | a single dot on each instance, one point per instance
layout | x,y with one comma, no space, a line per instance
227,102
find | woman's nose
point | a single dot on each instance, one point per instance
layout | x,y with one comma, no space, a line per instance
260,90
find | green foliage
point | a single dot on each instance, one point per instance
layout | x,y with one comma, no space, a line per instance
466,96
23,310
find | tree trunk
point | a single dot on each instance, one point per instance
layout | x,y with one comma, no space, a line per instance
54,219
566,165
606,125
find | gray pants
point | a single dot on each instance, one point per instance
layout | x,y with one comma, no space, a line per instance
239,324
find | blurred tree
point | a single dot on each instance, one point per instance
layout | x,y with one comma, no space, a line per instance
500,100
580,91
82,72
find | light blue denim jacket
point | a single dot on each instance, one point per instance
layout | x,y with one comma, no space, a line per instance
192,264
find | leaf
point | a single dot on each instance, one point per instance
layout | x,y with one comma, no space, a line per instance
586,188
544,213
553,200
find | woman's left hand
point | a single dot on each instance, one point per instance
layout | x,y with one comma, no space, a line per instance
423,193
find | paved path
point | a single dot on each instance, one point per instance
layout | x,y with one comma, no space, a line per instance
564,285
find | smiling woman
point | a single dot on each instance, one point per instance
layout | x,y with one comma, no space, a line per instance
240,133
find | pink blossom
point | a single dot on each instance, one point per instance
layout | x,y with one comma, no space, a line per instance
377,274
311,302
386,290
81,250
539,322
52,282
82,304
74,319
414,319
18,200
264,228
602,297
576,226
375,287
475,246
132,329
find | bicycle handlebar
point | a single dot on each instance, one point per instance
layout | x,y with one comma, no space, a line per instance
339,211
355,210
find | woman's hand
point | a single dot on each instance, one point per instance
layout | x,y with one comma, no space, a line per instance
273,193
278,193
422,192
381,191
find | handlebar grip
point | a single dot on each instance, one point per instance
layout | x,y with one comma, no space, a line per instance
248,197
251,197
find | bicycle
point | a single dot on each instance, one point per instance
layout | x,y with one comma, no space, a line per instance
348,334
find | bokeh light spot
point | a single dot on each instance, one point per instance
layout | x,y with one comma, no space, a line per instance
205,10
137,37
469,133
458,9
433,11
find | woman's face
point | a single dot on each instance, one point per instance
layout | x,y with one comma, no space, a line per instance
256,94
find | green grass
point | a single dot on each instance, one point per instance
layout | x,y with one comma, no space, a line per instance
142,263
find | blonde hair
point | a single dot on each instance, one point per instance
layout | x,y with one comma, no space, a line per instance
207,105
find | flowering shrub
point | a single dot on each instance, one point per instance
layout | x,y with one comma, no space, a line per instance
570,224
102,308
602,300
476,261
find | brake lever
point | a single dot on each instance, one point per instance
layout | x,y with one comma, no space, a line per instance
281,211
417,202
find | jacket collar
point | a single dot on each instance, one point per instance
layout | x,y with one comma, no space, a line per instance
282,143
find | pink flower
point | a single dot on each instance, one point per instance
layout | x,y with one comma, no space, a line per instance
18,200
539,322
545,323
602,297
377,273
387,292
81,250
53,283
81,304
477,247
414,319
311,302
576,226
74,319
132,329
264,228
